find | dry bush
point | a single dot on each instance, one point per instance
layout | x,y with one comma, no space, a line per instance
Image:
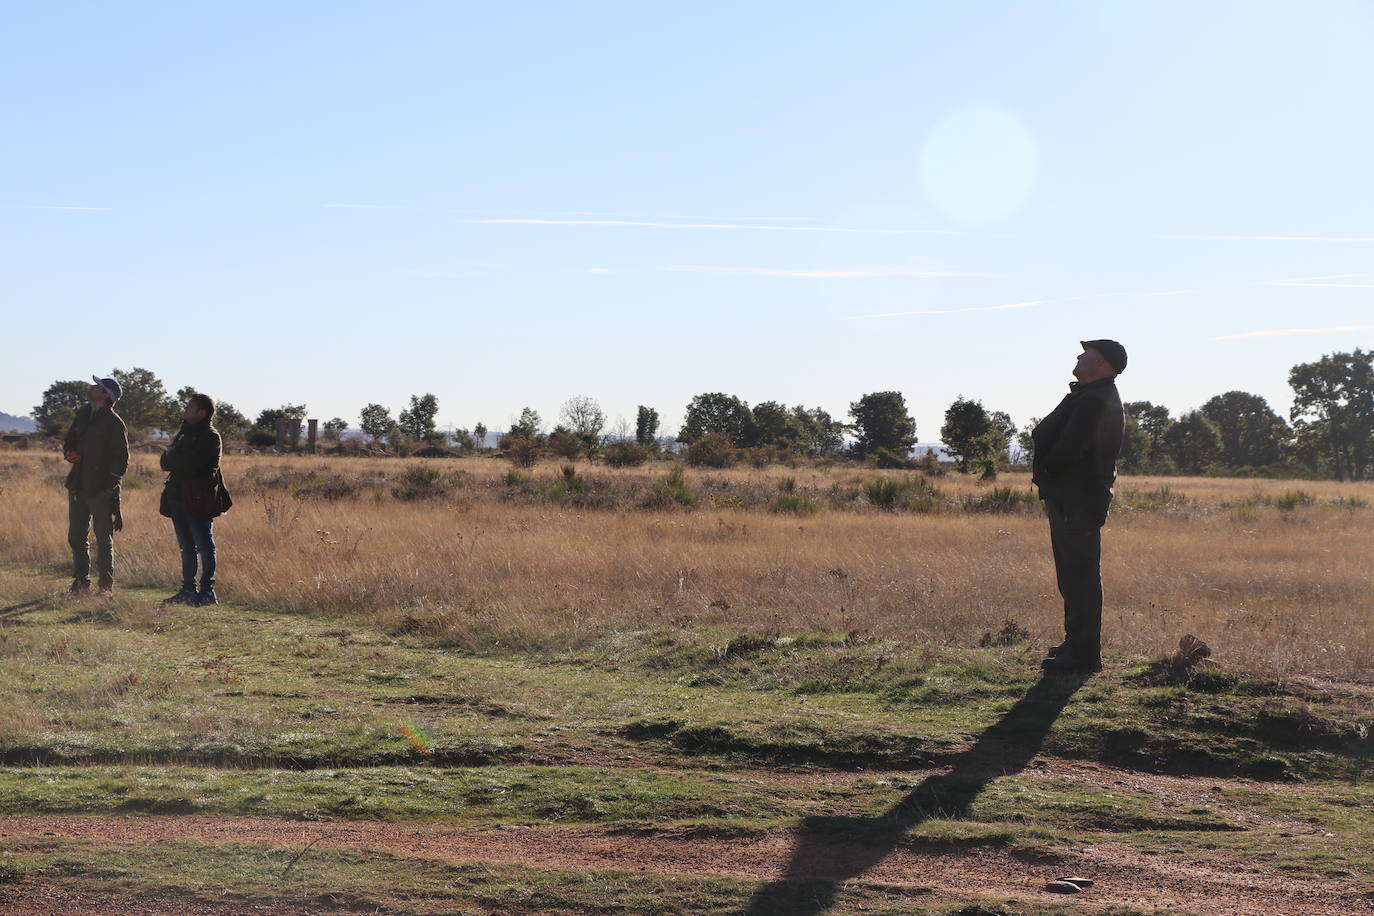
1271,589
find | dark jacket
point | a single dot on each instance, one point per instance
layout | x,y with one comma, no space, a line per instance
193,455
1076,448
102,445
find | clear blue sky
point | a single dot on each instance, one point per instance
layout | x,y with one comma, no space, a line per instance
509,204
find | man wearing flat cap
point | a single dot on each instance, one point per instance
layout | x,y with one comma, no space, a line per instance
1074,467
97,446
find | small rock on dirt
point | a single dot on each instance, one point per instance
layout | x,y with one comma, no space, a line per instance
1063,887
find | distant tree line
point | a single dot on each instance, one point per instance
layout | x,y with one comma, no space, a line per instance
1329,431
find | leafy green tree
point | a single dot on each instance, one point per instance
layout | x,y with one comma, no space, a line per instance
1025,441
145,404
375,422
1334,397
585,420
461,438
334,429
230,421
267,418
965,431
417,422
1193,442
822,435
479,435
881,423
976,438
646,426
1252,435
1136,450
1153,420
529,426
60,403
777,426
719,413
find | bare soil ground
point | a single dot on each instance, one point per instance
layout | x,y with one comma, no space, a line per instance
1122,876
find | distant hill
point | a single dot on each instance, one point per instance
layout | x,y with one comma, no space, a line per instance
12,424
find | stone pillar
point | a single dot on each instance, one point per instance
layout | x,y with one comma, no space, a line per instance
281,433
314,432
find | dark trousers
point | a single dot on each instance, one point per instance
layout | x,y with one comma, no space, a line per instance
196,538
84,513
1077,545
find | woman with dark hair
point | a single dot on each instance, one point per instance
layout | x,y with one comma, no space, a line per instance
188,499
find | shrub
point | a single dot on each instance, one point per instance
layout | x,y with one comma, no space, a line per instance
1293,499
523,452
261,439
759,456
712,450
625,454
564,444
316,485
671,491
418,482
900,494
890,460
881,492
794,503
1011,634
1003,499
1160,498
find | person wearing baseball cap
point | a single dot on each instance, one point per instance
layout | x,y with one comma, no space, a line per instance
97,446
1074,468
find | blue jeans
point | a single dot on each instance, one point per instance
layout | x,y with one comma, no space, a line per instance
196,538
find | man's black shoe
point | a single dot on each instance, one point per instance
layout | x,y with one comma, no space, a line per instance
1055,650
79,587
1065,661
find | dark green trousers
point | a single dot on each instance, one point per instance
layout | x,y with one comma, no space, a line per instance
83,514
1077,545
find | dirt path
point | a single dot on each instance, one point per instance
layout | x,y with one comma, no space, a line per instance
1123,876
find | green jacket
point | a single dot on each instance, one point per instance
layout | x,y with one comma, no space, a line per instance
1076,447
102,445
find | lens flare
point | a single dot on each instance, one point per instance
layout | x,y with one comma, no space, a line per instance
978,164
420,737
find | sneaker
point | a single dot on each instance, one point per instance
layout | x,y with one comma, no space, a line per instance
204,597
185,596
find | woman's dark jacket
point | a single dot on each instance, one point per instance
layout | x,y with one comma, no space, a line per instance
193,455
102,444
1076,447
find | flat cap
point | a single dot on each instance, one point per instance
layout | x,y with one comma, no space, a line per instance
1111,351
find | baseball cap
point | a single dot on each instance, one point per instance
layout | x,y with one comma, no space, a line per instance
110,385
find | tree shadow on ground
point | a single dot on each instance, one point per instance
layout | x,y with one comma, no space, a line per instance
833,850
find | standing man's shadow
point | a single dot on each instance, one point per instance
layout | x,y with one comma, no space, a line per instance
815,873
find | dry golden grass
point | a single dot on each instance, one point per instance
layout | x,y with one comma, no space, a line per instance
1279,586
